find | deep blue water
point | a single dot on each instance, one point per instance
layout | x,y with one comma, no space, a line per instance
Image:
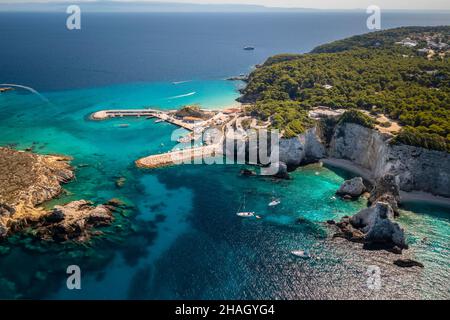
183,239
37,50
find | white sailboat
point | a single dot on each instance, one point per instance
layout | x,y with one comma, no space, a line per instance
245,214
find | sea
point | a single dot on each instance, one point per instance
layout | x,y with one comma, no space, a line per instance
181,239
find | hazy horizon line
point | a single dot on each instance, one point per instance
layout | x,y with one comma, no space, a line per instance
160,7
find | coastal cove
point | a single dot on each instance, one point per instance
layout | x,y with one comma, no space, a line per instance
176,220
180,237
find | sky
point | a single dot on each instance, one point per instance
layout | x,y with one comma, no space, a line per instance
319,4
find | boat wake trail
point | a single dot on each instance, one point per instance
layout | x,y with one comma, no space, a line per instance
183,95
180,82
26,88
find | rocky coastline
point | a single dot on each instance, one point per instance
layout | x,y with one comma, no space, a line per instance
28,180
373,155
374,226
385,171
388,170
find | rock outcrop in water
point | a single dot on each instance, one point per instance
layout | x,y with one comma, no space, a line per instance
408,263
374,227
28,180
352,188
386,189
73,221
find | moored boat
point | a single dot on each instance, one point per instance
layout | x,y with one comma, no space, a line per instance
301,254
245,214
274,203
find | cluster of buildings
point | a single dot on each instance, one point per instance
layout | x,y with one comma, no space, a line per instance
428,45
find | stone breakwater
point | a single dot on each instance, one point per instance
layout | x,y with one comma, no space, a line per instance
27,180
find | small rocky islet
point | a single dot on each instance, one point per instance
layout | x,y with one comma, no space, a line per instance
78,231
373,226
28,180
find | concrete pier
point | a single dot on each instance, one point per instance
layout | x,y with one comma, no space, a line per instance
106,114
148,113
179,156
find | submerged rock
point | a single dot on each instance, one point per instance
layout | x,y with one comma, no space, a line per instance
408,263
247,172
120,182
117,203
353,188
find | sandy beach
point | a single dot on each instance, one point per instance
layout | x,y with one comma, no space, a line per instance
414,196
417,196
349,166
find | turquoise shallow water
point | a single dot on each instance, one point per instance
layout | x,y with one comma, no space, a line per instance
183,239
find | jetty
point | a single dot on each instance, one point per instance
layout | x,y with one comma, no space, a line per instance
179,156
147,113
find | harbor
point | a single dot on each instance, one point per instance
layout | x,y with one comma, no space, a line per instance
225,122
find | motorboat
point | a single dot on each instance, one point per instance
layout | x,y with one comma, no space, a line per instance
301,254
274,202
245,214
